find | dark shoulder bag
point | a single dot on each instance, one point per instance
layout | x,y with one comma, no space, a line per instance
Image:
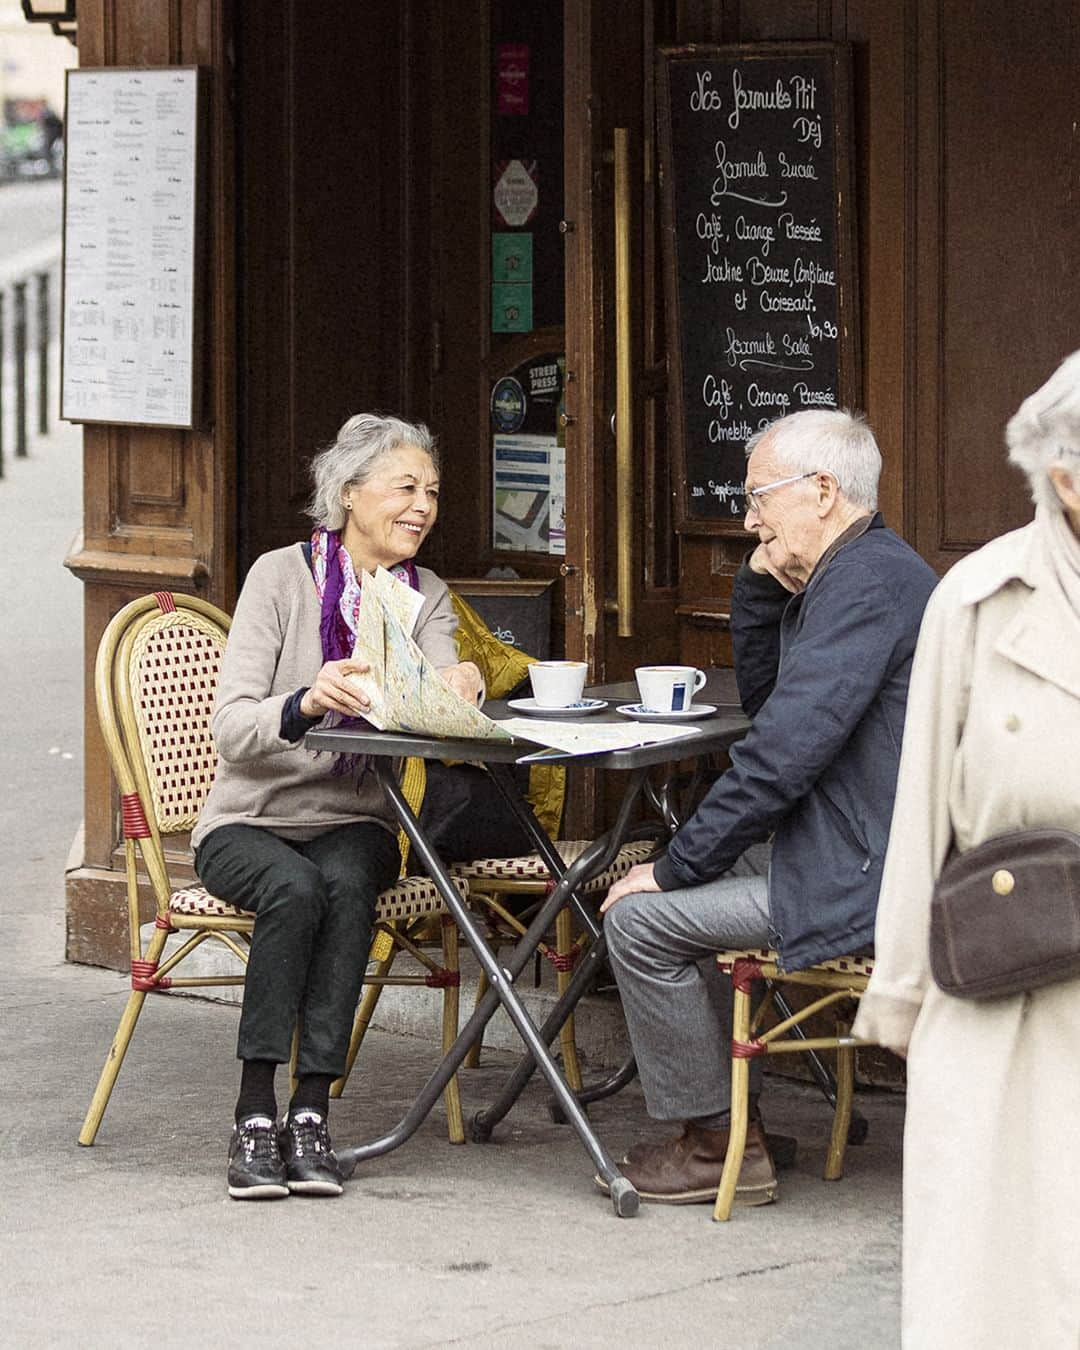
1005,915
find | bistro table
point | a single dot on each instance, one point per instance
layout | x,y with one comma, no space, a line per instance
712,735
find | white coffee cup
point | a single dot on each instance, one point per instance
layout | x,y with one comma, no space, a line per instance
668,688
557,684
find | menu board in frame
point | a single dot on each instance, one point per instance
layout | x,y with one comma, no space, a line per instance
131,191
759,254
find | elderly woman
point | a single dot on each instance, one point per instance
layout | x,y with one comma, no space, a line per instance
304,840
991,745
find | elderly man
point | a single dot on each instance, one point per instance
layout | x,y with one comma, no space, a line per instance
825,613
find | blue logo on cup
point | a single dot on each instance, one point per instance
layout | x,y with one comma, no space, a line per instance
679,701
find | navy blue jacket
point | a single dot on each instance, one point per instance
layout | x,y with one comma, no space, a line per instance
824,676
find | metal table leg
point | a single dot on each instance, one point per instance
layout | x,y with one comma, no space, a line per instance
585,973
624,1198
622,1077
588,967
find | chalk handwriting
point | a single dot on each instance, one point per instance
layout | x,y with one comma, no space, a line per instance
814,398
811,233
704,99
717,394
754,100
711,228
755,234
791,169
734,171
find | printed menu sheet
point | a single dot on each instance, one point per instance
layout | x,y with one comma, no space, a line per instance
408,694
129,247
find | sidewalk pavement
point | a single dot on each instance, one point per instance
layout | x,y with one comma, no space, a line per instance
135,1241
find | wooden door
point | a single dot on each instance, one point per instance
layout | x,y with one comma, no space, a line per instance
621,587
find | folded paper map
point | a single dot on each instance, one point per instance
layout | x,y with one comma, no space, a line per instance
407,692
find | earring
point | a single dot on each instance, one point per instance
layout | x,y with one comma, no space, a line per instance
347,505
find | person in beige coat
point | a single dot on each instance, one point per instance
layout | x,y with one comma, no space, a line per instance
991,1248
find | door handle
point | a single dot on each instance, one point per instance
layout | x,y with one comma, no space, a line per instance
624,394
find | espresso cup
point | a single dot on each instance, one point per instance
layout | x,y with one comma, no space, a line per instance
557,684
668,688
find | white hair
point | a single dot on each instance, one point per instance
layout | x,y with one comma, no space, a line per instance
827,441
1046,431
353,458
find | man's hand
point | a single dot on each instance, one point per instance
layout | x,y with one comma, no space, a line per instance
332,692
639,878
761,563
465,679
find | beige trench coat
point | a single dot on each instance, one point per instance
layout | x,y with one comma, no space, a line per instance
992,1137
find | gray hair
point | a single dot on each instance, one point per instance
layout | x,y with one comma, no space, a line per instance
827,441
354,456
1046,431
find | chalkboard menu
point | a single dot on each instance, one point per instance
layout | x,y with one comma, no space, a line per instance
758,250
129,340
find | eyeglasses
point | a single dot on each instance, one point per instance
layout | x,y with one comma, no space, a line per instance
753,494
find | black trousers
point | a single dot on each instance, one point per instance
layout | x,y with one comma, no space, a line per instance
314,903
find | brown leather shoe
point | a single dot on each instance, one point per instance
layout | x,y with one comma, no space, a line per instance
687,1170
637,1153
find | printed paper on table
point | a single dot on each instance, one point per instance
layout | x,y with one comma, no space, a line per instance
565,738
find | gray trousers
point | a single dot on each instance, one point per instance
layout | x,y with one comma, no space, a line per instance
677,1004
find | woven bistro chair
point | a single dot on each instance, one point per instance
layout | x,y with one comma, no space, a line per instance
494,881
841,982
155,682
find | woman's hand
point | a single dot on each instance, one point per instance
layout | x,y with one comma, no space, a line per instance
640,878
332,692
465,679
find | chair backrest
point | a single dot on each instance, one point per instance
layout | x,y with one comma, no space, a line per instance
155,682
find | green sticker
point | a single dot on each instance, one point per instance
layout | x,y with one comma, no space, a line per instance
511,257
511,309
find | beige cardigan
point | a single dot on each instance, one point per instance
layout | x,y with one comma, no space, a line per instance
273,650
992,1136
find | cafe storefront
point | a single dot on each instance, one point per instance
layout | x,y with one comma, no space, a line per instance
470,213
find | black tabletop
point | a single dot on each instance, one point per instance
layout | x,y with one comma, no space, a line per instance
711,734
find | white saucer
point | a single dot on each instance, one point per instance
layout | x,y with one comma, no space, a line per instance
639,713
579,709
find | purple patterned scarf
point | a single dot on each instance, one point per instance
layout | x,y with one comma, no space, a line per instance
338,589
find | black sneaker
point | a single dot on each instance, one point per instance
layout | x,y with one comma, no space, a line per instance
311,1165
256,1171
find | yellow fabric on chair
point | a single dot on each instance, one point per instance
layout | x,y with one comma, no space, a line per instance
503,668
413,787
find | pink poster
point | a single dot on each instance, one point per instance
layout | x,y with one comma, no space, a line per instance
512,79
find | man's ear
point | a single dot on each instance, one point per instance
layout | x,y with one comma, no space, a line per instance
828,490
1066,485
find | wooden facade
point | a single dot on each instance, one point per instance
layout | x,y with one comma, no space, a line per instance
347,226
